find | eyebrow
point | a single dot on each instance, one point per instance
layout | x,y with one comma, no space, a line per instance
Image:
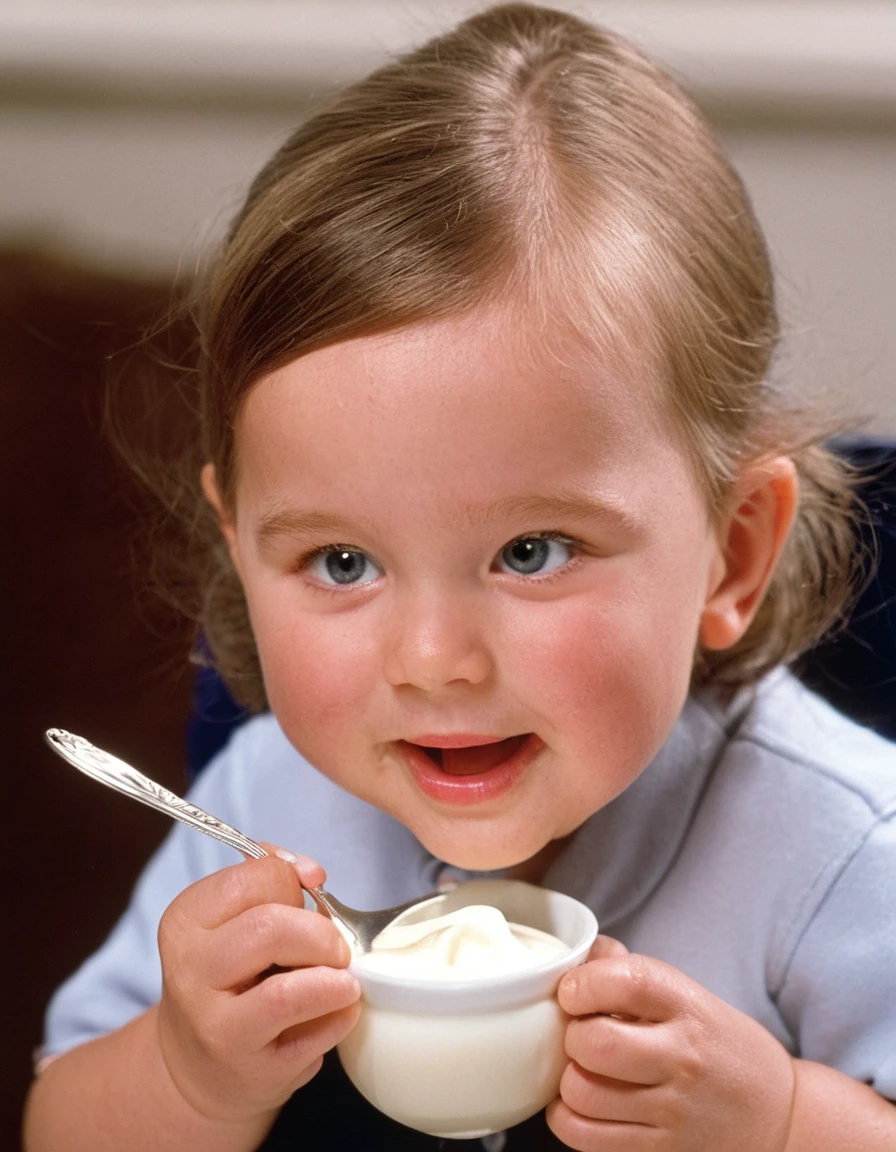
280,521
295,522
564,506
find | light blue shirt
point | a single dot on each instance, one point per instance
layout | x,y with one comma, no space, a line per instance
756,853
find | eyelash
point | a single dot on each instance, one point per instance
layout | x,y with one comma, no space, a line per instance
575,546
304,563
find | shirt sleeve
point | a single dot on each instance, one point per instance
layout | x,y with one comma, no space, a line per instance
839,993
123,977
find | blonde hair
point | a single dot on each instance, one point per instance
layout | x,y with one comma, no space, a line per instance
527,156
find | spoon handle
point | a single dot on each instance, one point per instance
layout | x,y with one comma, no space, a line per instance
122,777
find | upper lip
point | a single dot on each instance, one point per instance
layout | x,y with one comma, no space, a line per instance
457,740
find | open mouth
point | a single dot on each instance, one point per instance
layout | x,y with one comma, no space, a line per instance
475,759
456,771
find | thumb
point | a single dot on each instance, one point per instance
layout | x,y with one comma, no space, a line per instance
605,946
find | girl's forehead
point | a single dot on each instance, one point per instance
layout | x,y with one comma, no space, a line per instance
450,389
428,431
435,361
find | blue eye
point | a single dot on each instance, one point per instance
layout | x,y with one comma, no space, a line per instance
535,555
344,566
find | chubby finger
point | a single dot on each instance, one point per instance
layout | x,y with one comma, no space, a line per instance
220,897
605,946
287,1000
310,873
589,1135
634,986
605,1098
267,935
303,1046
626,1051
320,1034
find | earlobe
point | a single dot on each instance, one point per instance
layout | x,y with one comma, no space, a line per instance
753,536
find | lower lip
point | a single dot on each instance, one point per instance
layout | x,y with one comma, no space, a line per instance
474,789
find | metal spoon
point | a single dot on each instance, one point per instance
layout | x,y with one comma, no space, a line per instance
361,927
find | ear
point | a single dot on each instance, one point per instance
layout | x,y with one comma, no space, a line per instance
751,539
212,493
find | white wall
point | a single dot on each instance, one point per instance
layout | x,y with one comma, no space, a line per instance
129,130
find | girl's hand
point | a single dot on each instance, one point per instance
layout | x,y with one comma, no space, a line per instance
255,989
657,1062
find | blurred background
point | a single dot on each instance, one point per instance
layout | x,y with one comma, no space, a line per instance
129,130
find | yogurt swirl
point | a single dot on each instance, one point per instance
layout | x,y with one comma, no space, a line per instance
467,944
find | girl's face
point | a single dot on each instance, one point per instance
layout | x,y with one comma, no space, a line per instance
476,577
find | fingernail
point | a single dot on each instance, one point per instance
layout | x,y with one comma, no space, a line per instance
287,856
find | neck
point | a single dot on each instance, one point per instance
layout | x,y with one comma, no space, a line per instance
533,870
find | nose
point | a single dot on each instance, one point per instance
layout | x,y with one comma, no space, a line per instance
435,640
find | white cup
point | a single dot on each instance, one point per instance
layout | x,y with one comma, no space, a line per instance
468,1057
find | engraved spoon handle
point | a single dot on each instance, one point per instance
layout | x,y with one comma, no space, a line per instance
122,777
362,927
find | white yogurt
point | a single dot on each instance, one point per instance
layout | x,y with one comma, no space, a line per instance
468,944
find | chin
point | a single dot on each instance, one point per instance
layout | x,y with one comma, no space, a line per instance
481,852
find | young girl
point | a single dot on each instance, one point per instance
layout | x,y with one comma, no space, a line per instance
513,538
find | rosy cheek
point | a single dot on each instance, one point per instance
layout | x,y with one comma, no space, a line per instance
314,678
576,648
594,666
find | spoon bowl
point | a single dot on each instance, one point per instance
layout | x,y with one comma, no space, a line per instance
360,928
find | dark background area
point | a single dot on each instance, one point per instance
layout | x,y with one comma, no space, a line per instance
86,645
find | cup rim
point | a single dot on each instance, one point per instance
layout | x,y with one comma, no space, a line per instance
441,997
